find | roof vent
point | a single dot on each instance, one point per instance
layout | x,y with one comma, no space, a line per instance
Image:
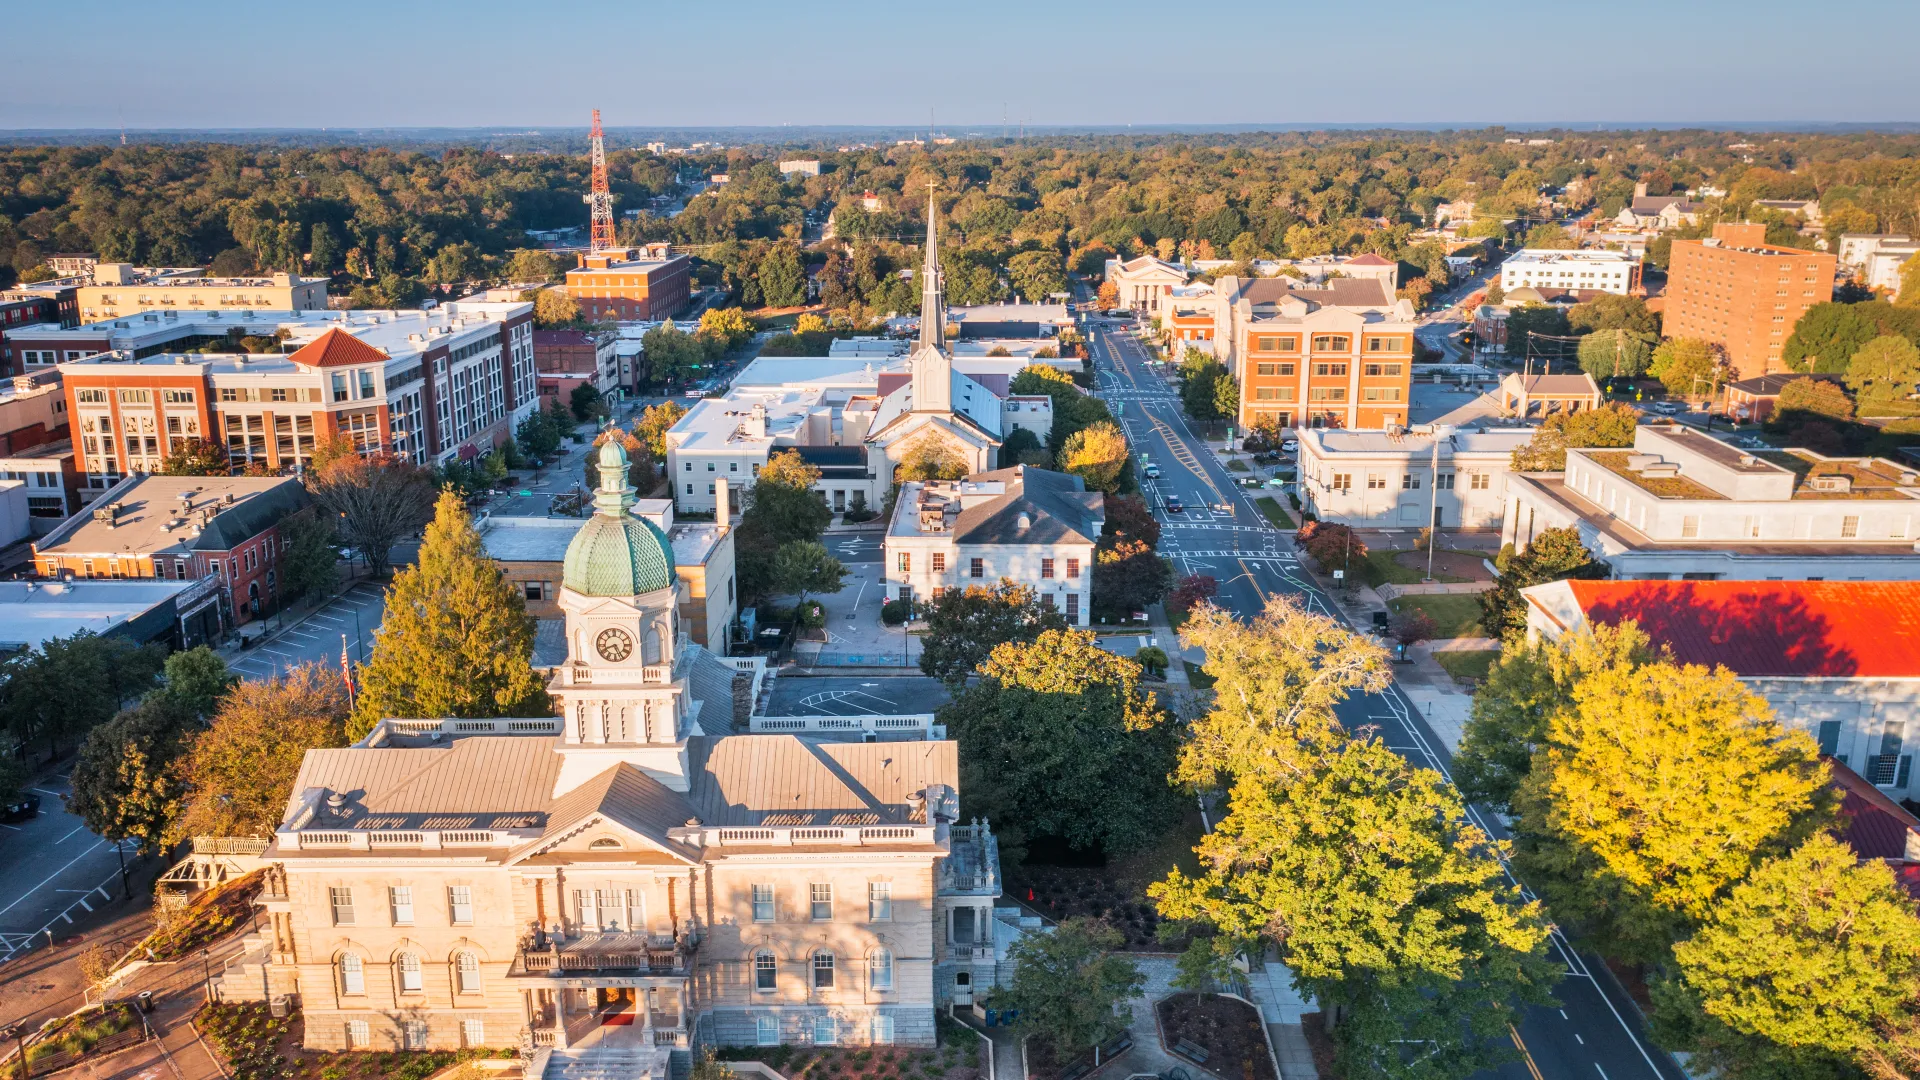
1024,521
336,800
1837,482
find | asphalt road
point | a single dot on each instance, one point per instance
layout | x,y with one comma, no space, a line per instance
348,621
56,872
1595,1034
855,695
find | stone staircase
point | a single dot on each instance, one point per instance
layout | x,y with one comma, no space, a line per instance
608,1063
244,978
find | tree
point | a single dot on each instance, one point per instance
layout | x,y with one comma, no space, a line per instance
931,458
587,403
1550,237
1068,985
456,641
783,282
781,507
1611,425
1809,399
1037,274
1910,282
196,457
1611,312
1634,852
1554,555
553,309
1684,365
964,626
194,680
653,424
1226,396
1885,369
1529,684
530,265
1097,454
1058,740
1412,626
1192,591
55,694
1128,518
1022,447
374,500
1044,379
125,785
1386,902
308,564
640,471
1107,297
1332,545
803,566
1534,319
540,433
1128,576
1816,951
1496,295
239,772
1616,354
729,324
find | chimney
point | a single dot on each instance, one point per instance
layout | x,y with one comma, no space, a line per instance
1640,190
722,504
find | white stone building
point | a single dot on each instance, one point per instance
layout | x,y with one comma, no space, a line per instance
1681,504
1382,479
1030,526
1550,269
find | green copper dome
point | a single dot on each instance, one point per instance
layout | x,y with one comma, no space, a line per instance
616,553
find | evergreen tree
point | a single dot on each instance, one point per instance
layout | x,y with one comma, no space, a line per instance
125,782
457,640
1554,555
965,625
1068,985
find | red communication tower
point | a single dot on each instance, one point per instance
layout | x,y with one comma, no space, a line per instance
600,200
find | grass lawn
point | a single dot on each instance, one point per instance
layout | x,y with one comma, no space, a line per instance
1380,569
1276,513
1199,678
1468,665
1237,465
1453,614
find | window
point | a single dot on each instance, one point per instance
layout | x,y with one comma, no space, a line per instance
1477,481
366,385
1332,343
1046,568
1829,737
766,1030
413,1035
339,386
1689,526
1073,608
340,896
1073,568
882,1029
1380,393
977,568
1329,369
823,970
177,397
409,973
353,975
820,895
1443,481
358,1038
1385,344
400,899
636,909
1342,482
586,906
1326,393
709,466
460,904
90,396
536,590
766,971
880,970
1409,482
906,562
763,903
473,1034
939,562
136,397
879,901
1375,481
466,973
1383,369
1849,527
687,467
824,1033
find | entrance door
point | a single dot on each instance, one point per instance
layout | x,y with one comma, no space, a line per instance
963,988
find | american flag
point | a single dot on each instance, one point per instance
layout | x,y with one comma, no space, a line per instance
346,669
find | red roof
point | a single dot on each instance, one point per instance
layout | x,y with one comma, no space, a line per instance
1831,629
337,348
1369,259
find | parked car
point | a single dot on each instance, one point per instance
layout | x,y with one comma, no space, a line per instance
21,808
1290,446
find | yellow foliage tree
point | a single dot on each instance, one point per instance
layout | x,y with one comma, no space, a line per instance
1096,454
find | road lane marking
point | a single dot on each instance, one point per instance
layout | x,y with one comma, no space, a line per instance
69,836
51,876
1531,1067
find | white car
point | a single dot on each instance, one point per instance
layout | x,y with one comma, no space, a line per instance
1290,446
1152,472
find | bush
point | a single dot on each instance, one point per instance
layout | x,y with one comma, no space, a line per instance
811,615
1153,659
895,612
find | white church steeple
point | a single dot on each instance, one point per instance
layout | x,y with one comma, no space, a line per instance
932,367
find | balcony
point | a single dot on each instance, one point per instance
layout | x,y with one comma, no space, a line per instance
616,952
972,865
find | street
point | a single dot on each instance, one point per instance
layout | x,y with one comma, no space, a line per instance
1595,1032
349,621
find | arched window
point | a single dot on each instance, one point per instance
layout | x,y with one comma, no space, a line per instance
605,843
409,973
880,970
650,646
823,970
466,973
353,979
766,970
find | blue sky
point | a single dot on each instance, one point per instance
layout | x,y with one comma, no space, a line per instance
350,63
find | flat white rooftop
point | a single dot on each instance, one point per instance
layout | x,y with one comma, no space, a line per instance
32,612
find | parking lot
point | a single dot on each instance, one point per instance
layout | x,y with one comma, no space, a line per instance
353,616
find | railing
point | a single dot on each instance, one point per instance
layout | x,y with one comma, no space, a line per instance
660,956
909,722
230,845
386,729
543,1037
787,837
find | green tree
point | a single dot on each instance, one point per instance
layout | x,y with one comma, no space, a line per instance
1616,354
1044,379
653,424
1550,237
196,457
531,264
1554,555
553,309
1097,454
803,566
730,324
783,282
1884,370
55,694
125,785
457,640
1611,312
1910,282
964,626
540,434
1226,396
781,508
1634,852
930,458
240,771
1817,951
1826,337
1687,365
1809,399
309,566
1037,274
1611,425
1069,985
1534,320
1059,741
587,403
194,680
374,501
1199,394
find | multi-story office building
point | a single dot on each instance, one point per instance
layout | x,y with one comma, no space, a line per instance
1736,291
429,385
1554,271
119,290
1379,479
1030,526
18,311
1338,354
566,360
627,284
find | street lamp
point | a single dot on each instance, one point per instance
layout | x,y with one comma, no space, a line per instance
18,1033
126,887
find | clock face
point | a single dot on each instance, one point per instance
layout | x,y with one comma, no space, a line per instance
614,644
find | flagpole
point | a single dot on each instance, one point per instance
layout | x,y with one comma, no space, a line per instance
346,670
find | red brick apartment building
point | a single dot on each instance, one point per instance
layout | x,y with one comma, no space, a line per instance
628,284
1737,291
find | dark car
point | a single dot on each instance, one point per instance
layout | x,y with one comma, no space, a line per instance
1173,506
21,808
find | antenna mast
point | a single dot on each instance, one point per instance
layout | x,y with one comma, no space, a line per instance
599,199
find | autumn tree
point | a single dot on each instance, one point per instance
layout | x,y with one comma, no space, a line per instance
124,784
1108,296
1129,518
931,459
1058,740
1685,365
1807,400
1334,546
240,770
1637,853
1068,985
1611,425
652,426
1884,370
553,309
456,641
375,500
196,457
1096,454
964,626
1553,555
1128,576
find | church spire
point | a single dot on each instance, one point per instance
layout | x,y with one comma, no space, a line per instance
933,301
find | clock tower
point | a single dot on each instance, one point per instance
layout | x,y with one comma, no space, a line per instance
622,692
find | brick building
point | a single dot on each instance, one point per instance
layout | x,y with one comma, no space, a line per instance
1338,354
567,359
629,283
1739,292
18,312
429,385
183,528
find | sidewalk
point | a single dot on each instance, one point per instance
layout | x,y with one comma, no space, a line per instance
1281,1008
